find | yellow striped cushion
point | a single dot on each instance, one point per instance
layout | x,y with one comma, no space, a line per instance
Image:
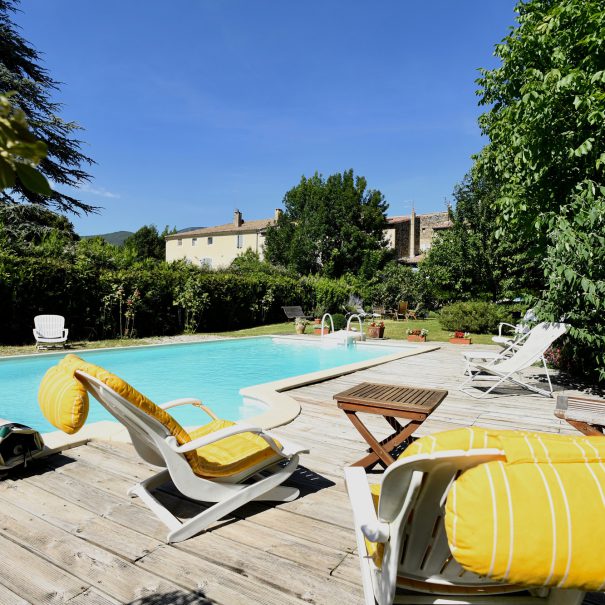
226,457
537,519
63,400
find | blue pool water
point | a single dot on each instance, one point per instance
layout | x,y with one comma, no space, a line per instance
212,371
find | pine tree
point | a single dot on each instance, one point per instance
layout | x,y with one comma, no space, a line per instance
20,71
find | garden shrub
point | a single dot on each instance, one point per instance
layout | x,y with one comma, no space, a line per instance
474,316
340,321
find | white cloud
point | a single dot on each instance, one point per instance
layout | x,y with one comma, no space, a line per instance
99,191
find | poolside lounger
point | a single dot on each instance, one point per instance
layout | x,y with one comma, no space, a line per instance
294,312
50,330
223,462
505,368
455,520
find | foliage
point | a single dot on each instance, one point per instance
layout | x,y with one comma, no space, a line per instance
20,151
21,72
330,226
468,261
476,316
191,298
575,279
340,321
148,243
546,129
250,262
397,283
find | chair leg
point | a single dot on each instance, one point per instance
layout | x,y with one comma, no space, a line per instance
267,488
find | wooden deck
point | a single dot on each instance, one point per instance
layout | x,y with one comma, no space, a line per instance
69,533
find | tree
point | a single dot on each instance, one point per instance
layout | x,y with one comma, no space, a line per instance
20,151
330,226
469,261
148,243
546,129
21,72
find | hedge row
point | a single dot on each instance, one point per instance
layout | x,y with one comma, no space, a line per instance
105,303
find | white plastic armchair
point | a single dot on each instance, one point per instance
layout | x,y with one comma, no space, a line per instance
50,330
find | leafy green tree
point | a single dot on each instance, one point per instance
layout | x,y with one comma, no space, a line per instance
399,283
147,243
330,226
546,129
20,151
20,71
471,260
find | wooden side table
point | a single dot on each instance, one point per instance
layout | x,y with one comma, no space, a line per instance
392,402
585,414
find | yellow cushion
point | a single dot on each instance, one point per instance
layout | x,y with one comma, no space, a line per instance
231,455
375,550
226,457
63,400
536,519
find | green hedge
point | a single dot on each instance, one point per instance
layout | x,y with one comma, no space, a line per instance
476,317
95,300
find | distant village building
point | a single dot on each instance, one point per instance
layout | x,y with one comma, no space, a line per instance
216,247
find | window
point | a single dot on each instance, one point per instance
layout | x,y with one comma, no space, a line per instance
210,241
179,242
240,241
206,262
194,241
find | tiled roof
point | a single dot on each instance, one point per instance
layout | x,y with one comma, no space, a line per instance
246,227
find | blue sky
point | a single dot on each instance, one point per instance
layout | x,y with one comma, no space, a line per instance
192,108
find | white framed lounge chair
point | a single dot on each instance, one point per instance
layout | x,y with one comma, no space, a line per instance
224,463
412,528
519,331
483,365
50,330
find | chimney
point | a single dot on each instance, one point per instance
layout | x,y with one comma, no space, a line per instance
278,213
412,233
237,218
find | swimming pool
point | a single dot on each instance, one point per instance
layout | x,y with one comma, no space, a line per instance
213,371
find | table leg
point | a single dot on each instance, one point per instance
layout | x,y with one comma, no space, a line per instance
379,454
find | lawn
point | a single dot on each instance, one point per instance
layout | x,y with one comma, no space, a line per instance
395,330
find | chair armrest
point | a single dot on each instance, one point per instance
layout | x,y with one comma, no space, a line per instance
362,504
229,431
65,332
189,401
502,324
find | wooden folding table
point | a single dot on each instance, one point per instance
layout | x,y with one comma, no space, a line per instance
392,402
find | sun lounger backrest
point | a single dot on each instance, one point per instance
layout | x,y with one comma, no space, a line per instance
49,326
533,347
293,312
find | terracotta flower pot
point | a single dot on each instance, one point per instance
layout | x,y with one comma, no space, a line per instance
317,330
416,338
300,329
461,341
317,321
375,331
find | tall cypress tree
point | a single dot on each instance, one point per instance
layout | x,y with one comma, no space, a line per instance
20,70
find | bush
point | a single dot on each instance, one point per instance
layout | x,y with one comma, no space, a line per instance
477,317
340,321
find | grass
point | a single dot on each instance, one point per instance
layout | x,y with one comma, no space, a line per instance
395,330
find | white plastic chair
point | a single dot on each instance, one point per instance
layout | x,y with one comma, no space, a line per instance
504,368
408,522
519,331
157,445
50,330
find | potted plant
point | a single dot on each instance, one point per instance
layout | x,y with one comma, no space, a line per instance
300,324
461,338
417,335
376,329
318,312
